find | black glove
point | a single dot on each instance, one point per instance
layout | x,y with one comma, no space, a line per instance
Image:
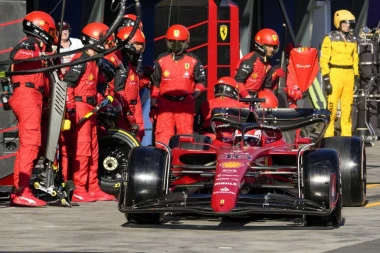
71,115
356,83
107,69
327,84
196,93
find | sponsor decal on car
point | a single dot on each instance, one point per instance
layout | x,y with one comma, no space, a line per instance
224,192
229,171
227,175
225,183
263,159
227,178
231,164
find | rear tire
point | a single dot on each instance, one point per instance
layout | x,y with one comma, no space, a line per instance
145,181
353,168
319,166
114,148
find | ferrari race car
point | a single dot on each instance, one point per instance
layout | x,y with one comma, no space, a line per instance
257,164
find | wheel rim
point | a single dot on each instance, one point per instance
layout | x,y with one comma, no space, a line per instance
112,161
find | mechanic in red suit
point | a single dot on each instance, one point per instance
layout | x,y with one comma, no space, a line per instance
112,82
81,99
130,97
254,70
26,101
113,76
226,92
178,78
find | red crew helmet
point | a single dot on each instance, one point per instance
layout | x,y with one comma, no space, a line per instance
177,38
41,25
265,37
92,33
124,33
226,86
271,100
138,37
130,20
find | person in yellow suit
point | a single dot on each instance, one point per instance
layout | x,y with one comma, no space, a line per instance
339,67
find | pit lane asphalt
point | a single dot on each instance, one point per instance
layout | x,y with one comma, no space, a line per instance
100,227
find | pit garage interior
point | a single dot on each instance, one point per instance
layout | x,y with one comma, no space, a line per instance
307,22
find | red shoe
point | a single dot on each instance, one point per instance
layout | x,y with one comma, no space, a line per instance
82,196
26,198
100,195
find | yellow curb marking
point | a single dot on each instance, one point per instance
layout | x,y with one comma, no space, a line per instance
373,204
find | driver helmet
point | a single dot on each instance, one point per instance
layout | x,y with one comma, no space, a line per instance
252,138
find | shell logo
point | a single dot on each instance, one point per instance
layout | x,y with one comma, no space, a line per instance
132,77
254,75
113,59
91,77
231,164
166,73
41,22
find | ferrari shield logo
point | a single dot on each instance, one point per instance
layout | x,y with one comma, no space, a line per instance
176,33
274,37
223,31
187,66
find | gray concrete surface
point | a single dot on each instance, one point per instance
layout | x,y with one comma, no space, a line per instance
100,227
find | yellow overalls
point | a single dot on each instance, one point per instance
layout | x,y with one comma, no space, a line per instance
339,60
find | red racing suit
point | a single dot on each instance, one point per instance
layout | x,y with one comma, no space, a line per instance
174,81
131,102
81,96
251,71
293,92
26,103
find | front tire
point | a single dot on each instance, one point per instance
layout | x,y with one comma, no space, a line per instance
145,180
114,148
320,170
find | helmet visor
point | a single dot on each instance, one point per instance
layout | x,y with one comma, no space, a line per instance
351,23
177,46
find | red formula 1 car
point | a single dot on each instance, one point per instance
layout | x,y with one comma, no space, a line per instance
256,165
